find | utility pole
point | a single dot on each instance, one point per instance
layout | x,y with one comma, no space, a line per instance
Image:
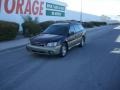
81,16
0,4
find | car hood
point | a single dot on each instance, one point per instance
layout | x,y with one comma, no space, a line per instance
46,38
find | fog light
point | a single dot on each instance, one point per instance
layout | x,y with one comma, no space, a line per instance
50,52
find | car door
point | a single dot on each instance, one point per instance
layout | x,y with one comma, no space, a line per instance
79,32
71,38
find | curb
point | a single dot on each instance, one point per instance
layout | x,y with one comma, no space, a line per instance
12,48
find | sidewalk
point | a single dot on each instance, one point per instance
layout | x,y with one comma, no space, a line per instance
13,44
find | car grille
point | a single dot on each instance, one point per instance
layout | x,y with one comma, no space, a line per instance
38,44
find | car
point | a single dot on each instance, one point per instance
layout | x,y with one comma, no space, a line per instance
58,39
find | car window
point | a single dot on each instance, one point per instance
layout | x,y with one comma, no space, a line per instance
81,27
57,30
72,29
77,29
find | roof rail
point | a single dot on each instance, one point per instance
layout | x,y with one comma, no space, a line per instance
68,21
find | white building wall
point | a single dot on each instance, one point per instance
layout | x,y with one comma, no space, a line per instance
73,15
69,15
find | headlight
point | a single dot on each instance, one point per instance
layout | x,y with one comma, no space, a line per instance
52,44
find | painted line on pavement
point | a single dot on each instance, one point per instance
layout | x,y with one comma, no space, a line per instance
118,27
115,51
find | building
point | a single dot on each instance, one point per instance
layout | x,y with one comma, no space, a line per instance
14,10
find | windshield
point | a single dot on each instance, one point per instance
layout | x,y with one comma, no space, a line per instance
57,30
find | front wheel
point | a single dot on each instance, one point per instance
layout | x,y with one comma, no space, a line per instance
82,42
63,50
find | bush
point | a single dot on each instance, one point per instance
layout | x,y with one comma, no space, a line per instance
30,29
8,30
98,23
30,26
87,25
92,24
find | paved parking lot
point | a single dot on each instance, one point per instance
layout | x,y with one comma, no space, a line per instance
93,67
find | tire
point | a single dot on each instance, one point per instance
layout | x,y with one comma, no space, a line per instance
63,50
82,42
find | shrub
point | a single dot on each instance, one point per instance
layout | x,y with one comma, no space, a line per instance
98,23
8,30
87,24
30,29
92,24
30,26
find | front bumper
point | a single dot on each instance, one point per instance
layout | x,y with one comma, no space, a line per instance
44,50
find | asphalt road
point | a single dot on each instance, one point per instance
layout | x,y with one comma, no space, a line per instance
93,67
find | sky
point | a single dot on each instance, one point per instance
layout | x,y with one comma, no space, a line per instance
96,7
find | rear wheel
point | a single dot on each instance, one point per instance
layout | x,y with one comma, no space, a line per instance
63,50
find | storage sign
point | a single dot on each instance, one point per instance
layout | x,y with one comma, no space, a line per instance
32,7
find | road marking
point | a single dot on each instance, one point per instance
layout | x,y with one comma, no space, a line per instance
118,27
118,39
116,51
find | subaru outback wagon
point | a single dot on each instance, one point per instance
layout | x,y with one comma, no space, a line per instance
58,39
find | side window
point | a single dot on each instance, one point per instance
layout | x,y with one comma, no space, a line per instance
72,29
81,27
77,29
